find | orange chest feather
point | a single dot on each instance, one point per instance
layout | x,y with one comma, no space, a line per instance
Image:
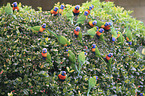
107,57
61,77
76,11
44,54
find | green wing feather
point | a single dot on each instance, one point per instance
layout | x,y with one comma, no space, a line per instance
71,56
48,57
120,39
102,39
81,58
92,82
80,36
8,9
128,33
91,32
62,40
81,19
35,28
113,32
99,23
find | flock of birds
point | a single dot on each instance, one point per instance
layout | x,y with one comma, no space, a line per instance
96,28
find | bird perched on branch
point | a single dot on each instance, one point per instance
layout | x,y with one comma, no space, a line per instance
62,76
76,10
15,7
54,11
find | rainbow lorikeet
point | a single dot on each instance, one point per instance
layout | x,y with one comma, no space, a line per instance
96,52
99,32
106,26
141,94
120,38
46,55
61,9
72,58
54,11
89,9
128,35
61,39
76,10
9,10
92,23
92,82
115,34
15,7
78,34
91,32
81,60
38,28
108,59
82,18
62,76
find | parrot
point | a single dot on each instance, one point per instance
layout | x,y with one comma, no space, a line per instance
69,16
108,59
61,9
91,32
76,10
106,26
78,34
99,32
81,60
120,38
92,82
15,7
114,34
54,11
141,94
102,39
96,52
46,55
128,35
89,9
82,18
61,39
92,23
72,58
62,76
9,10
38,28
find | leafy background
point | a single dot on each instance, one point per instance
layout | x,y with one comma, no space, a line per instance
23,72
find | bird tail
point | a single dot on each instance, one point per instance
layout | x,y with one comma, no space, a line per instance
103,60
88,92
52,33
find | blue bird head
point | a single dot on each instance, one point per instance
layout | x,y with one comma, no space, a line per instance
93,45
86,13
97,28
94,22
85,53
62,7
113,39
66,50
130,43
77,7
14,4
55,9
44,25
90,8
63,73
141,94
110,54
44,50
77,28
106,24
96,77
101,30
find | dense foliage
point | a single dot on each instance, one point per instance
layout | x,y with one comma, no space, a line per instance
23,71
